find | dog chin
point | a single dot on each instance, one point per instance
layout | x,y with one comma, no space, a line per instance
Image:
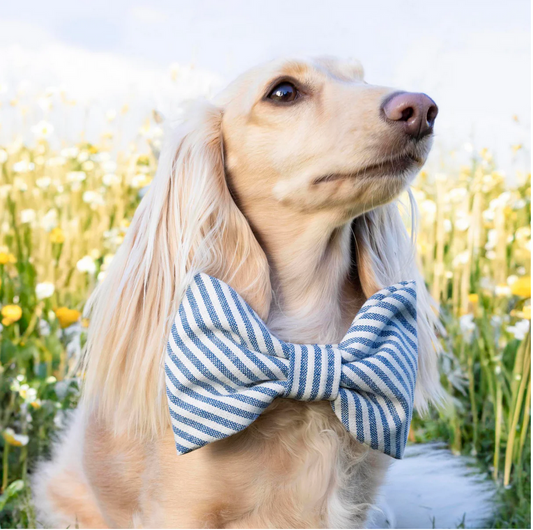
383,190
393,168
349,197
360,188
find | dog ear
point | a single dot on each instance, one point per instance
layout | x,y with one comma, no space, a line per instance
187,223
216,237
385,255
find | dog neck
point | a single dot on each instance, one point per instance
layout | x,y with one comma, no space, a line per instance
315,296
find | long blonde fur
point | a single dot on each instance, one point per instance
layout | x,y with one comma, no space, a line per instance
186,223
386,254
235,196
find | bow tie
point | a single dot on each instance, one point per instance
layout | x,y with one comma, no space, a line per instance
224,368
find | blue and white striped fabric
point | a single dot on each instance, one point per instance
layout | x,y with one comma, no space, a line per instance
224,368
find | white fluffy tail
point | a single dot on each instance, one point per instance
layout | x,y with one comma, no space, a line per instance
432,488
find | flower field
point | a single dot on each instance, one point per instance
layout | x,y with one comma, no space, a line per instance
64,210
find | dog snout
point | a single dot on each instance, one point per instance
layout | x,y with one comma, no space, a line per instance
414,113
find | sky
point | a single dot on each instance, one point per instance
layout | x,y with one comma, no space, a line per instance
471,57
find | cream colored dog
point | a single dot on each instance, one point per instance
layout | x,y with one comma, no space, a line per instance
284,189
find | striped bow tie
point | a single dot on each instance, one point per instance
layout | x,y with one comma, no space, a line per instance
224,368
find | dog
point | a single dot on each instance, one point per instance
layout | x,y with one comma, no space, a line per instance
286,188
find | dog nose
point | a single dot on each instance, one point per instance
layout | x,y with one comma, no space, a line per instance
415,113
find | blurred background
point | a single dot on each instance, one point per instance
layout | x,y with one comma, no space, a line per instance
472,59
84,87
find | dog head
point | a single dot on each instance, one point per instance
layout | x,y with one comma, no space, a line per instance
313,135
311,138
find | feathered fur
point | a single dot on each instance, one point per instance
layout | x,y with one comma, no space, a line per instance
239,194
186,223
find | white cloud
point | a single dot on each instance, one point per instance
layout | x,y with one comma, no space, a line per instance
147,14
474,63
36,63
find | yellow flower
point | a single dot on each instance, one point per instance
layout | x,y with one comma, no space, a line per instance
473,302
85,322
522,287
524,314
473,298
143,160
17,440
11,313
67,316
6,257
57,235
485,154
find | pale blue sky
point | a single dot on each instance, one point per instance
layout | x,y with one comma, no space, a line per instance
472,57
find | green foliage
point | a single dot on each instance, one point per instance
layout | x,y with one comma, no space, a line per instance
63,215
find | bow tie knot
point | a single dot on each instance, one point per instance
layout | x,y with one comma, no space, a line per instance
224,368
314,373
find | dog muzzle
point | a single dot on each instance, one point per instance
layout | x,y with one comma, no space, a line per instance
224,368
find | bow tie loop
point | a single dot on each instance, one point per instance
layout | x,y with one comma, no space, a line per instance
390,312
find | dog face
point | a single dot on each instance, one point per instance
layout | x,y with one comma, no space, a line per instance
305,147
315,136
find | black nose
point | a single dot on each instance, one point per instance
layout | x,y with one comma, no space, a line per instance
415,113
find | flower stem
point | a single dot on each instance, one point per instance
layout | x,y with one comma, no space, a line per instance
5,467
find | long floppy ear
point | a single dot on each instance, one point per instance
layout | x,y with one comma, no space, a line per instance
386,254
186,223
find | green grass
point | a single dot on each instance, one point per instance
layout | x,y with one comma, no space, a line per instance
474,241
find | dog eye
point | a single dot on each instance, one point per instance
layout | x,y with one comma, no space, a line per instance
285,92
